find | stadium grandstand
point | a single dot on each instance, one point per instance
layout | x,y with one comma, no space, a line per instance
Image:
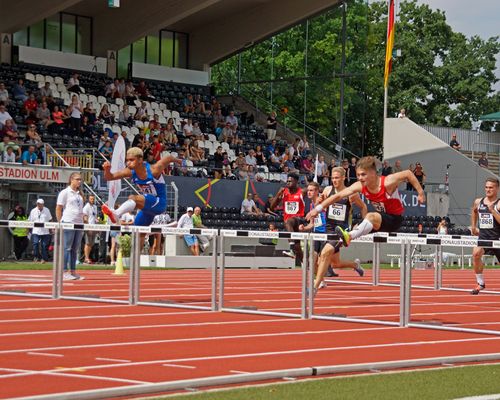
82,82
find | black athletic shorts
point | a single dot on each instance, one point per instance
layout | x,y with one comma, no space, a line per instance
295,223
318,246
390,222
492,252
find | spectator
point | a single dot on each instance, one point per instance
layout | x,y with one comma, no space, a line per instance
241,166
30,106
20,235
86,129
227,134
196,154
386,168
250,158
188,104
307,167
40,237
219,120
125,139
19,91
43,114
4,94
58,117
197,131
442,228
483,161
75,110
397,167
267,205
346,166
420,174
198,224
233,121
322,169
33,137
111,90
4,115
186,221
105,115
248,206
454,143
90,113
89,217
9,130
45,91
29,156
73,84
259,204
188,128
154,124
170,133
199,105
130,94
402,113
107,149
143,92
8,155
271,126
259,156
8,142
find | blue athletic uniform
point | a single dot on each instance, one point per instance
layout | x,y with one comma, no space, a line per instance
154,191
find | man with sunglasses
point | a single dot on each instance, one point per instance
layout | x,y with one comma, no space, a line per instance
149,180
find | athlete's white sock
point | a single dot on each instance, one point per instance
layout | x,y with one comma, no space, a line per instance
480,279
128,206
364,228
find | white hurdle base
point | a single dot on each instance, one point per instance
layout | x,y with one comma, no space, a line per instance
203,262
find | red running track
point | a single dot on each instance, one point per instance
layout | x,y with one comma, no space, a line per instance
63,345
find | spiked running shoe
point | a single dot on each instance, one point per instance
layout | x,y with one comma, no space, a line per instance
110,213
289,253
344,236
477,289
359,269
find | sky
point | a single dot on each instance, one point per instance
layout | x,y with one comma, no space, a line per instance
471,17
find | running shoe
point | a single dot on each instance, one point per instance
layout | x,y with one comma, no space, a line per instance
330,273
77,277
478,288
110,213
68,277
359,269
344,236
289,253
322,285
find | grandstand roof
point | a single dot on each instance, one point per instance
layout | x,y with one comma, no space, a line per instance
217,28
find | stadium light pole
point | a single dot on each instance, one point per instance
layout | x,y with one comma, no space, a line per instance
342,79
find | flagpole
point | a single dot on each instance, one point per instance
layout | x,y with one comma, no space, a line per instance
386,86
386,98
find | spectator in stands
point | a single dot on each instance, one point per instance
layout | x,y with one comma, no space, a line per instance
241,166
227,134
196,154
86,129
259,155
124,117
352,171
187,129
186,222
90,113
271,125
45,91
4,94
43,114
107,149
141,113
271,147
307,167
29,156
218,162
199,105
483,161
89,217
20,235
188,104
40,237
197,133
397,167
198,224
170,134
386,168
420,174
130,93
442,228
9,156
105,115
58,117
30,106
219,120
346,166
248,206
250,158
32,136
154,124
454,143
233,121
111,90
9,129
267,206
73,84
19,91
75,112
323,176
275,161
8,142
402,113
143,92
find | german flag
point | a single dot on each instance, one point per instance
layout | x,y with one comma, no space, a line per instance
389,44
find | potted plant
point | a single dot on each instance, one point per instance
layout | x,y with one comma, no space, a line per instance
125,246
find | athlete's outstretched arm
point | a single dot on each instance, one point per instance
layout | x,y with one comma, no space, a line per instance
158,167
392,181
112,176
473,217
355,199
347,192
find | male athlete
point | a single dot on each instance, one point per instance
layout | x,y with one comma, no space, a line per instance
337,214
382,192
485,211
292,197
149,179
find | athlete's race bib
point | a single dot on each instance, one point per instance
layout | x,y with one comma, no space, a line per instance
486,221
291,207
148,189
337,212
318,221
380,207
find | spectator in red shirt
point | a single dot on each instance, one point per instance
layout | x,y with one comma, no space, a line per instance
30,107
156,148
307,165
154,124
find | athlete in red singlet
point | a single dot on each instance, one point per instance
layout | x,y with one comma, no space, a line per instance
292,198
382,193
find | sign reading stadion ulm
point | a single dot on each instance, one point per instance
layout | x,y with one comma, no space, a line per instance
40,174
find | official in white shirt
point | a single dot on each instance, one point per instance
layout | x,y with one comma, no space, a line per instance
89,217
40,237
186,221
69,209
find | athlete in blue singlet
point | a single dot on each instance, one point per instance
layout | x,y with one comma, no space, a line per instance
149,180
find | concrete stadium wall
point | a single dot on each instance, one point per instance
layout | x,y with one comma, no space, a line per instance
406,141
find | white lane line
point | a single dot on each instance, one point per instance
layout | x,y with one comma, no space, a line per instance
276,353
235,371
112,359
63,307
179,366
32,353
197,339
24,372
485,397
128,327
